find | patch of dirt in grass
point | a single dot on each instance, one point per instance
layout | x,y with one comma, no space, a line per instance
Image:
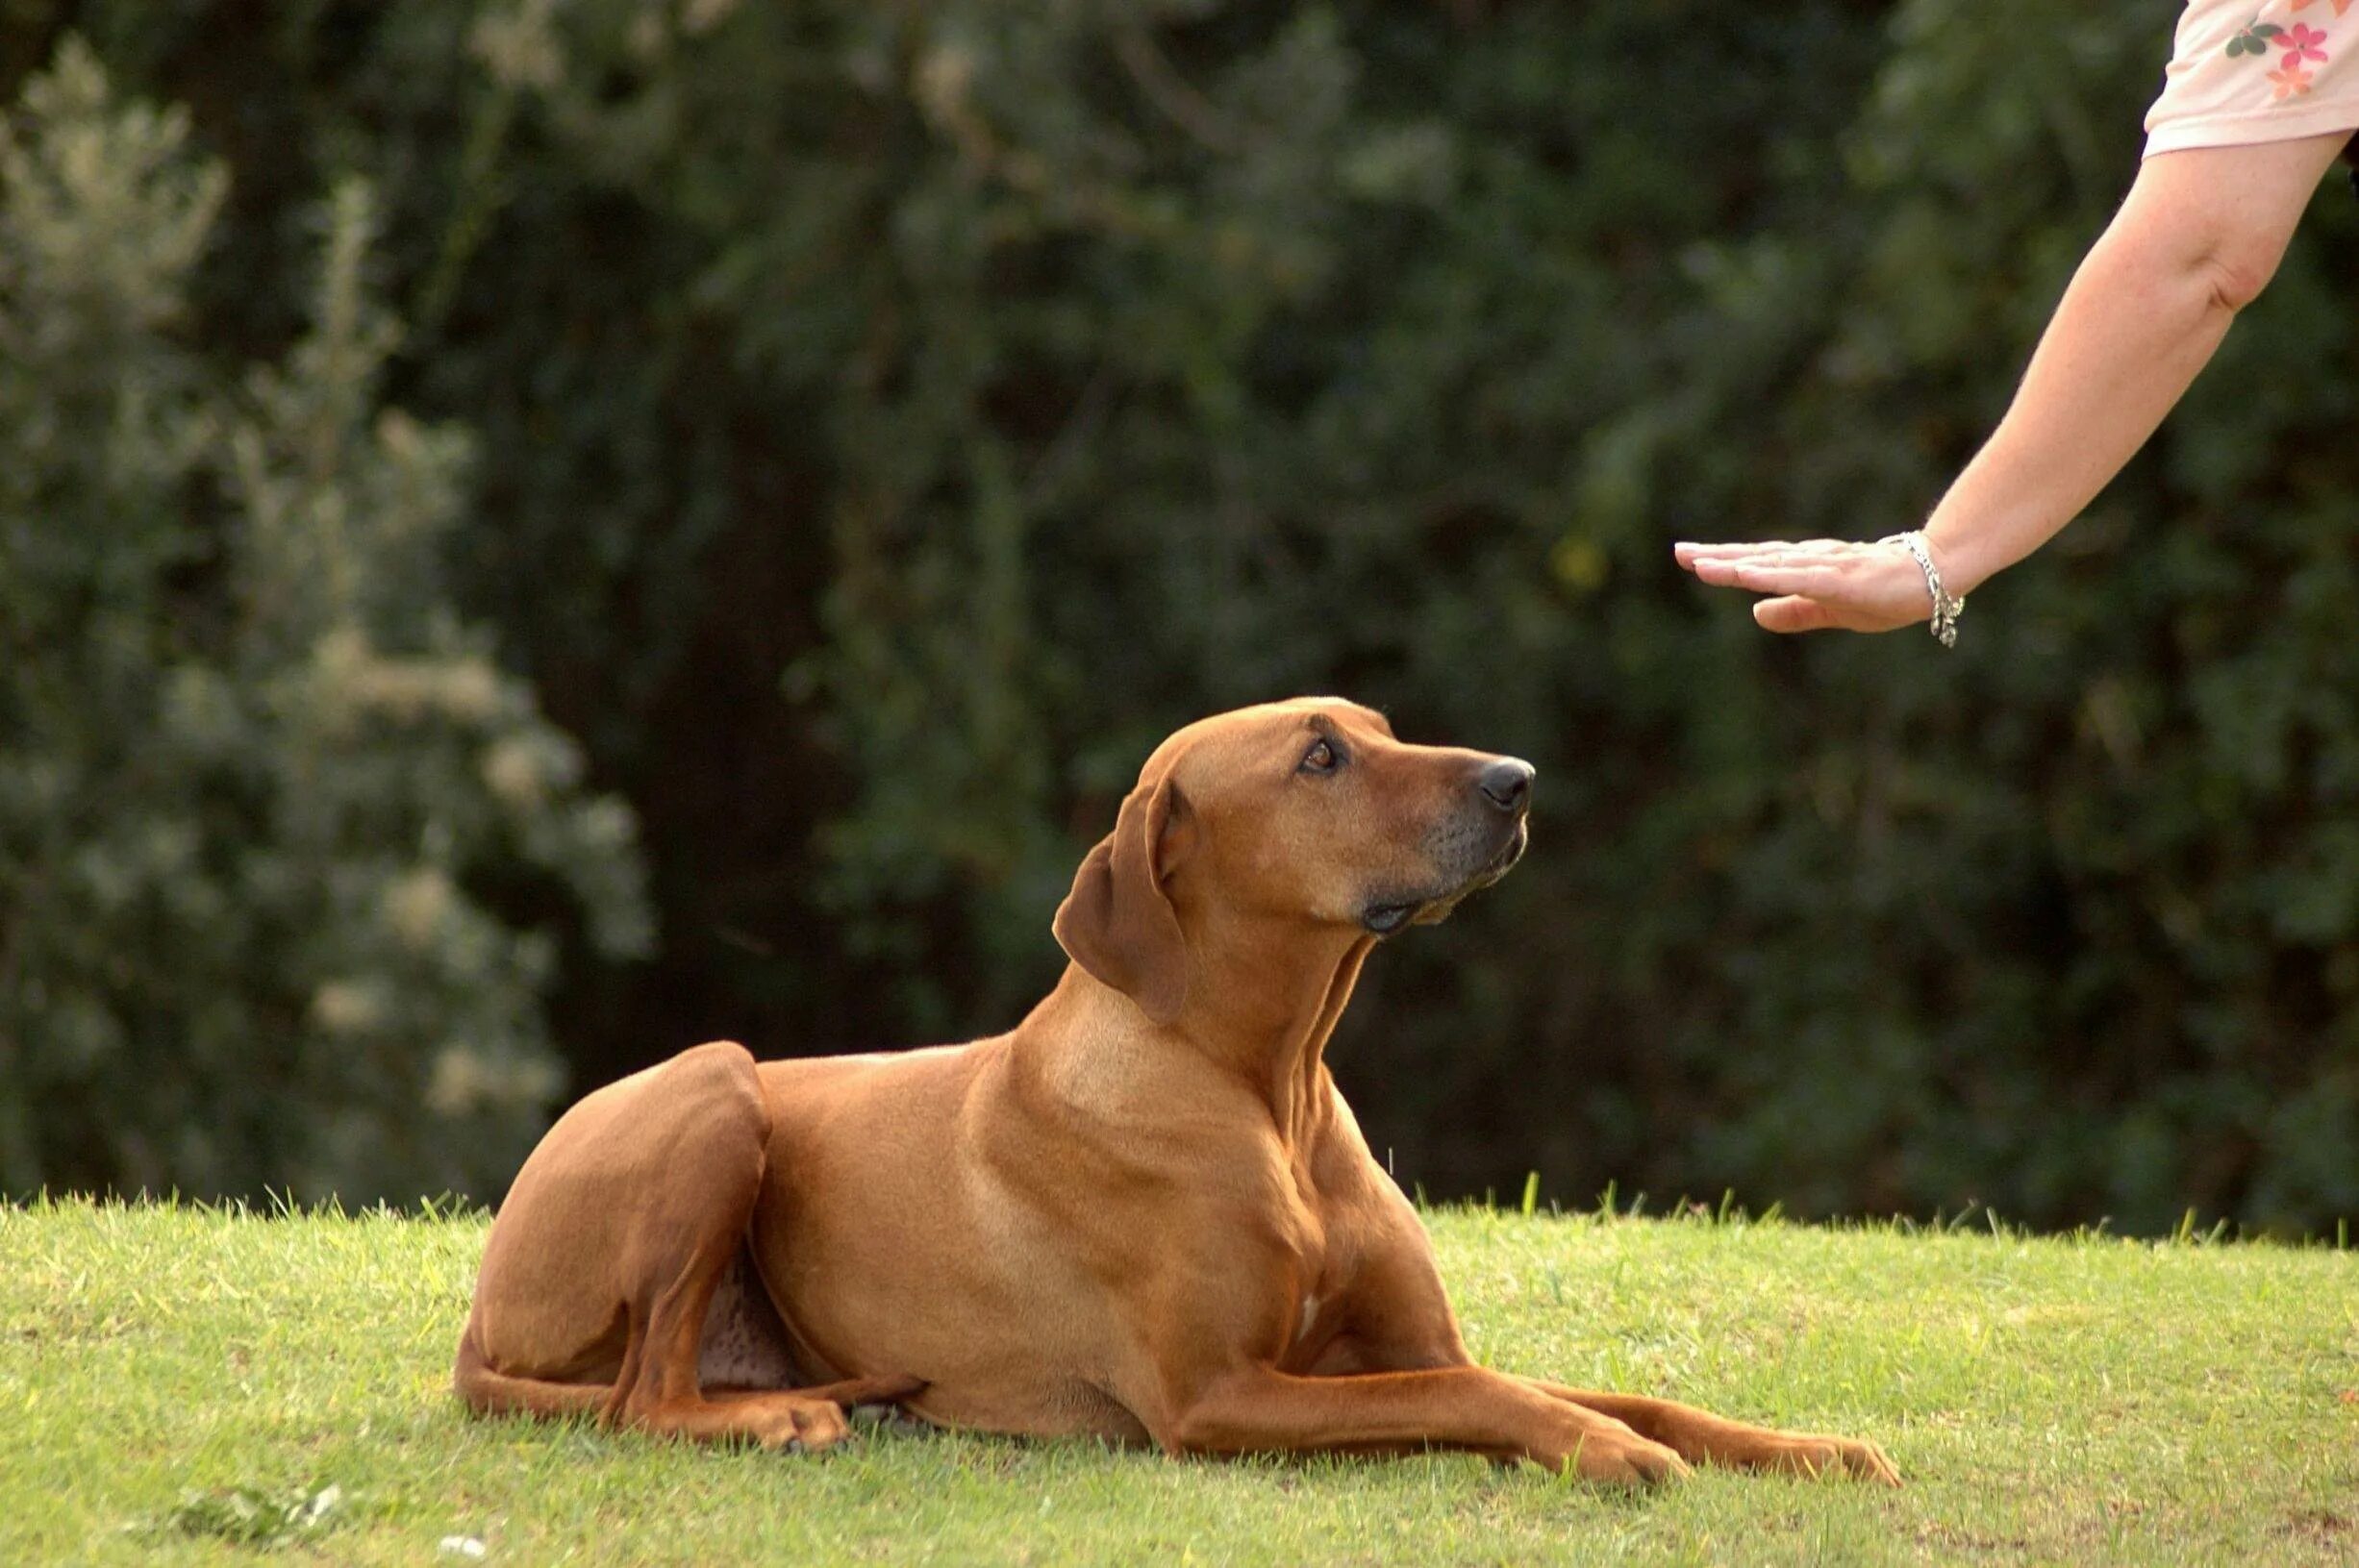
1953,1538
68,1325
2323,1525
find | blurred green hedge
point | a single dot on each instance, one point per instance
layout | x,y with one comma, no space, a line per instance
259,774
890,420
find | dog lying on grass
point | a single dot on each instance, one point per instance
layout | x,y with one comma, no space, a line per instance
1143,1214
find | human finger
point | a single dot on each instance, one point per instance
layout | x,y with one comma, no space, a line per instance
1770,576
1688,552
1705,559
1793,613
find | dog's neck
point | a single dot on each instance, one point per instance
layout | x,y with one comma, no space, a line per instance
1263,999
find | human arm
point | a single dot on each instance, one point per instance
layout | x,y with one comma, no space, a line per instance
2199,238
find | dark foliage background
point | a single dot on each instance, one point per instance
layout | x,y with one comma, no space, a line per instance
888,420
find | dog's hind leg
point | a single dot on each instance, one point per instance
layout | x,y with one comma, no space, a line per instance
602,1267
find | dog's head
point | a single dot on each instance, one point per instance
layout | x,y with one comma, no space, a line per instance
1306,813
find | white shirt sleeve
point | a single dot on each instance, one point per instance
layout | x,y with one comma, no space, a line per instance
2243,73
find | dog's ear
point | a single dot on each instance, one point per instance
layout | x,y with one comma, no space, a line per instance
1118,923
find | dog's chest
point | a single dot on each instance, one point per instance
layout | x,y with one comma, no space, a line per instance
1328,1249
1306,1317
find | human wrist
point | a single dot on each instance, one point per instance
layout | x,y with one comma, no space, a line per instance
1943,605
1965,562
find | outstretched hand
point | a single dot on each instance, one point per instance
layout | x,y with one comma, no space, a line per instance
1819,584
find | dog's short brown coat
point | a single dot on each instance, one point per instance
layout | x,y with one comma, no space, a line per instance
1144,1214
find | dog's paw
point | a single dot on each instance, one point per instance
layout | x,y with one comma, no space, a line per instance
1627,1461
800,1426
1851,1457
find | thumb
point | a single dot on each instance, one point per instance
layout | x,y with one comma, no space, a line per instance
1793,613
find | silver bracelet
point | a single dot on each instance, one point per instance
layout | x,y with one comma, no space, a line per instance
1946,610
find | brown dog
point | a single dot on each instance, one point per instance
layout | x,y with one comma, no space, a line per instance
1144,1214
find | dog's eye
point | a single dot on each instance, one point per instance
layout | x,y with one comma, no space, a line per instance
1321,758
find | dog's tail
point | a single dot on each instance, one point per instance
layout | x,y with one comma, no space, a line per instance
487,1392
887,1391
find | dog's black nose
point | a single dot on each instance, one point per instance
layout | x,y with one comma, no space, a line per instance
1507,784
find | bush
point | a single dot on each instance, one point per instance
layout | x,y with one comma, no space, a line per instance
261,775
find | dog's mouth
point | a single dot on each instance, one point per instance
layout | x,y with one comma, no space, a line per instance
1385,916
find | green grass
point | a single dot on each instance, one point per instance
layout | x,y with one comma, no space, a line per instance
2086,1400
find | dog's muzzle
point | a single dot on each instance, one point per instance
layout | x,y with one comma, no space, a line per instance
1486,841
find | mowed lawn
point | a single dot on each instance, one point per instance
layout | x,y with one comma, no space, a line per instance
2049,1400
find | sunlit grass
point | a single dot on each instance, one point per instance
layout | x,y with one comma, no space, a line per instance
184,1385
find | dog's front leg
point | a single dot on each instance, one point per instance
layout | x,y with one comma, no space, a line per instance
1259,1409
1705,1439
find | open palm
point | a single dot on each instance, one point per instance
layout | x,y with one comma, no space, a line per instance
1818,584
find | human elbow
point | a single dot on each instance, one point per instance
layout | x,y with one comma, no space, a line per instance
2236,267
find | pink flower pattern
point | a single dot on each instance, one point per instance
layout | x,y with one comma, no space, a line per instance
2301,43
2299,47
2292,82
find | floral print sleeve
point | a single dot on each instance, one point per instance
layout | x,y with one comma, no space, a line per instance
2258,70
